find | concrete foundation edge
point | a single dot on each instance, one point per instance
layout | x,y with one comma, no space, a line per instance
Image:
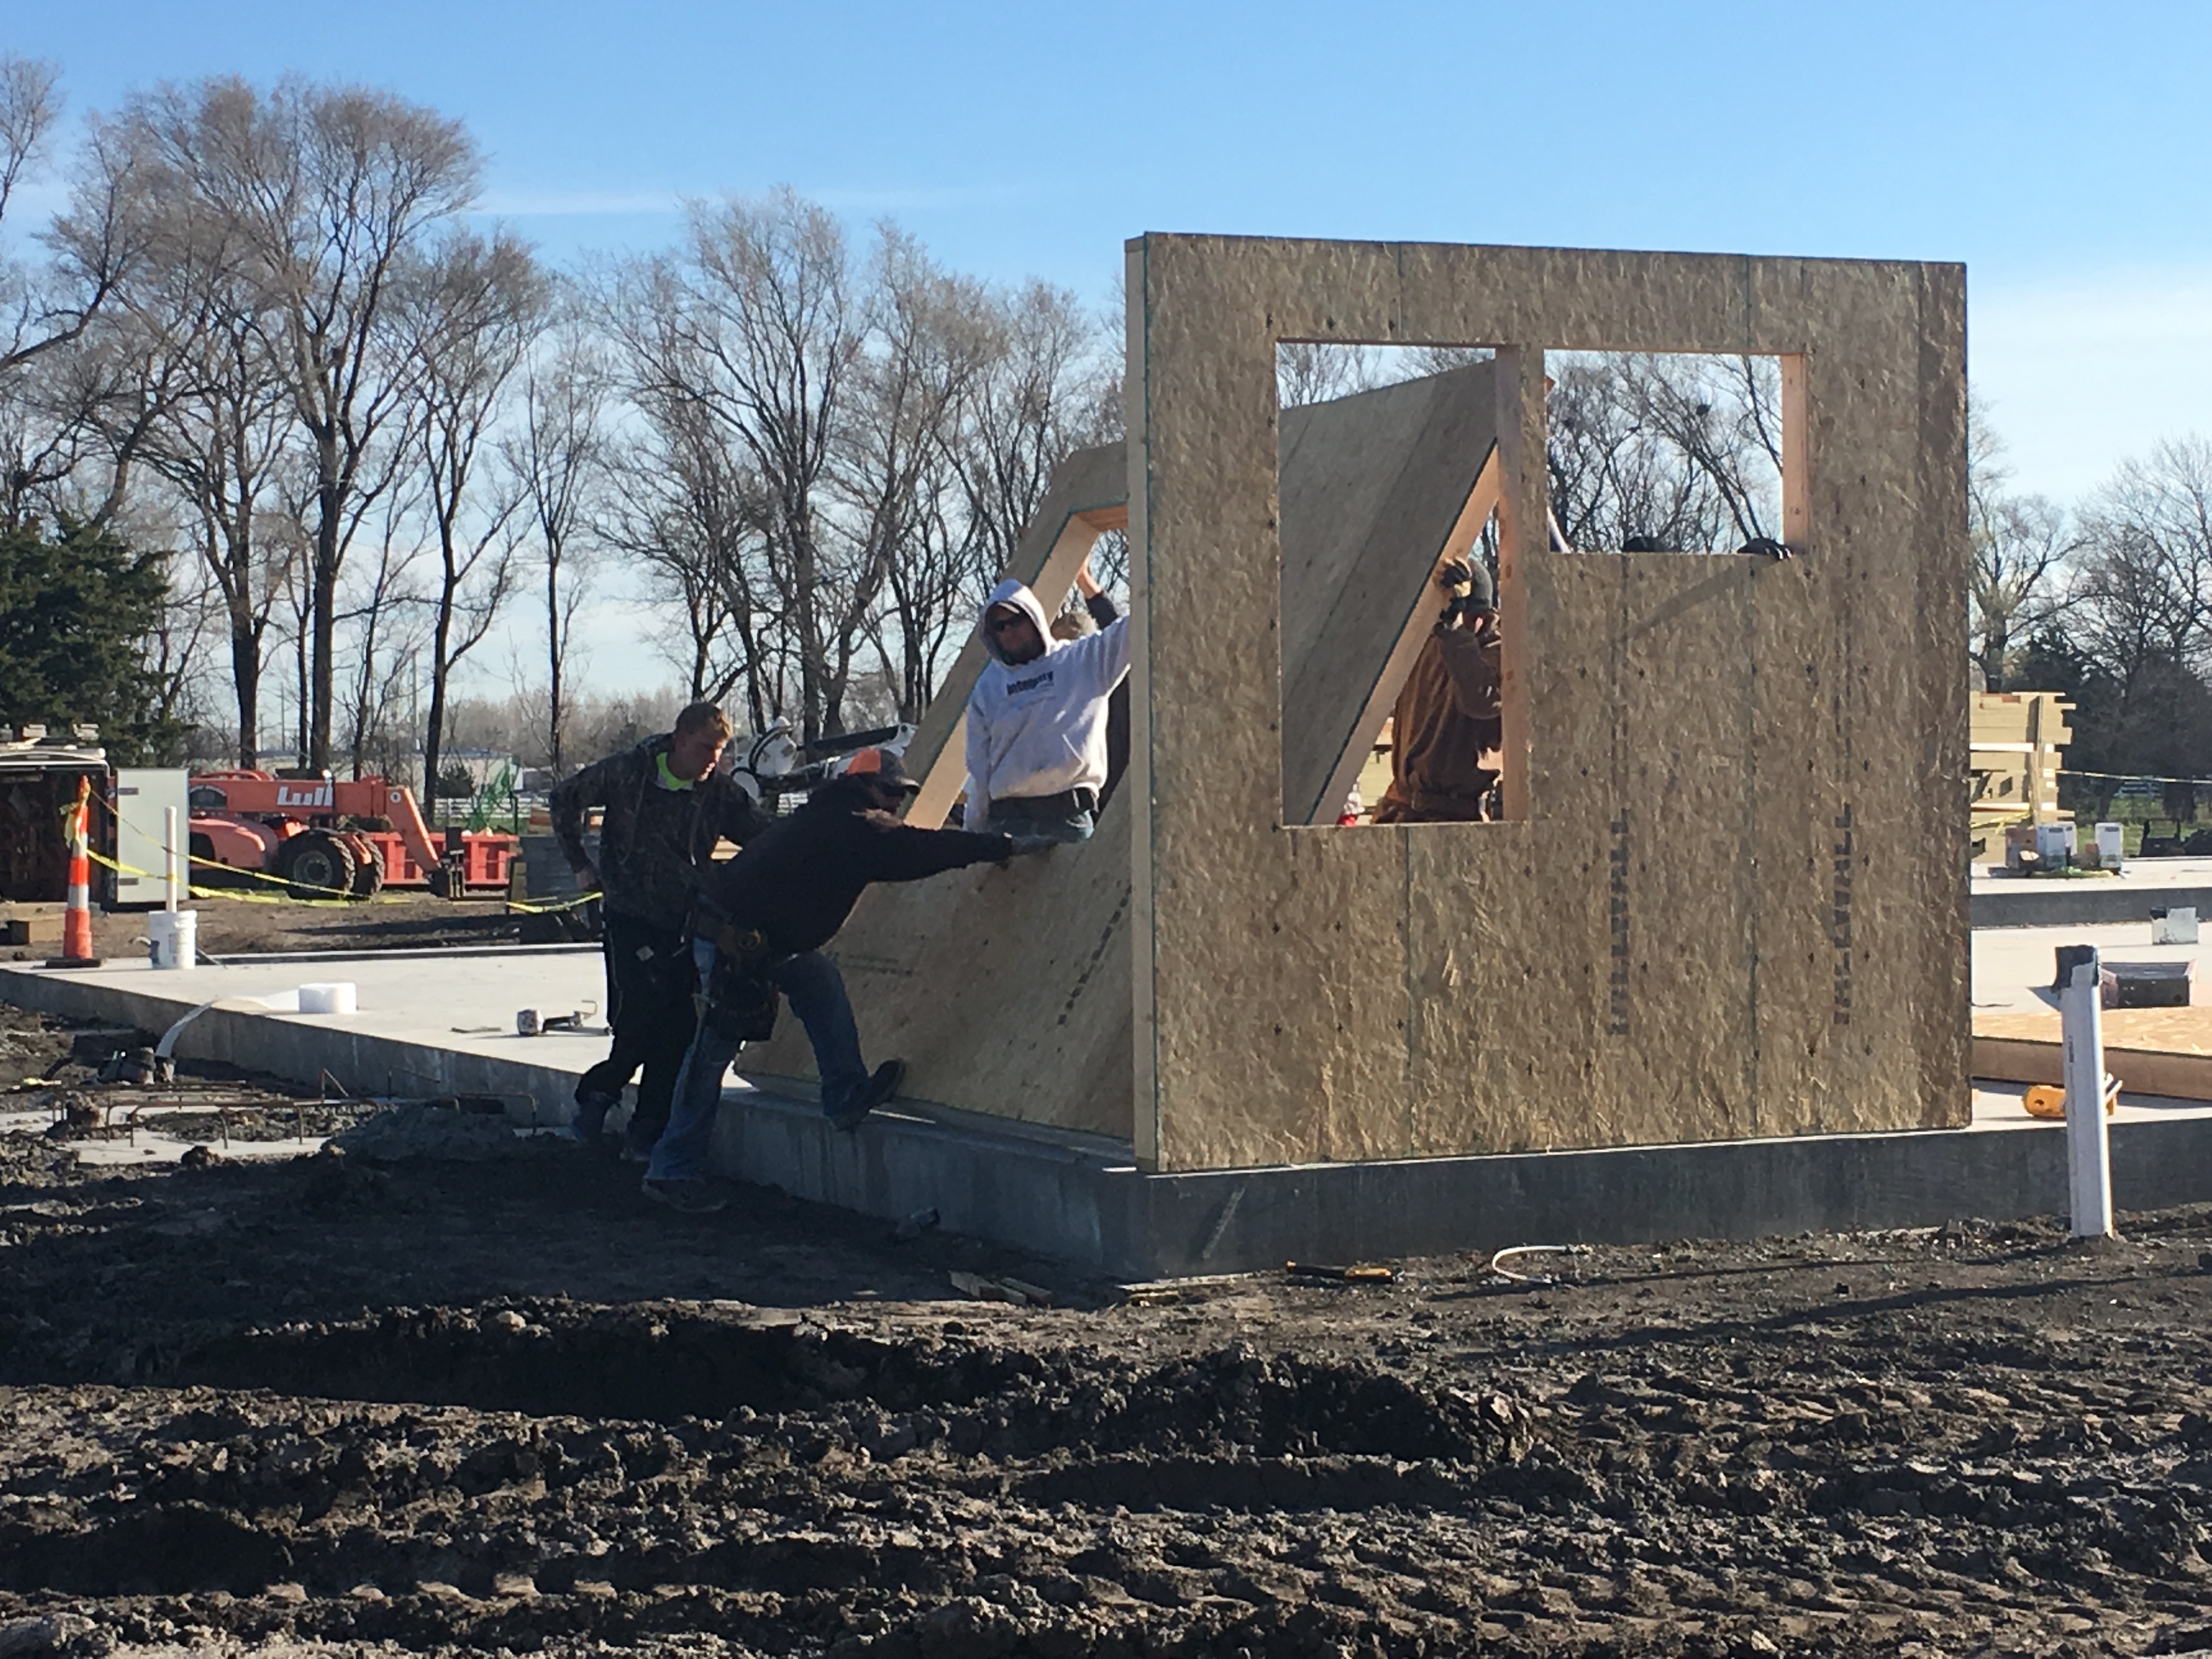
2051,904
1097,1211
1080,1200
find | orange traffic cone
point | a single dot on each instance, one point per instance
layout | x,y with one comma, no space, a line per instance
76,920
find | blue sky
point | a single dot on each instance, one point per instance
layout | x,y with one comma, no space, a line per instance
2058,150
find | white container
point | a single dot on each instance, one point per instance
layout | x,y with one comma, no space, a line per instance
173,938
2054,843
333,997
2110,845
2177,926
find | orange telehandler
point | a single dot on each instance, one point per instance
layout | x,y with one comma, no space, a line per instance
327,836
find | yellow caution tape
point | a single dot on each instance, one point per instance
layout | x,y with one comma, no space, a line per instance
243,898
339,896
526,907
517,907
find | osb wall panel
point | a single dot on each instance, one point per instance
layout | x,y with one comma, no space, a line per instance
1736,905
1005,991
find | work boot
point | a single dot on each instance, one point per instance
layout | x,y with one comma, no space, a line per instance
685,1197
589,1124
883,1086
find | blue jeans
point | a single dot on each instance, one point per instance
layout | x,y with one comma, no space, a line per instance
816,991
1051,819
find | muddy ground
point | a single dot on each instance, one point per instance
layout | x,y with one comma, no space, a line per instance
325,1405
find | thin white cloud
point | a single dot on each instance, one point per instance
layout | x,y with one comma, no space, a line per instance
2078,374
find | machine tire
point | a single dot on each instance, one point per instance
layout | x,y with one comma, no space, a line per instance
318,866
369,877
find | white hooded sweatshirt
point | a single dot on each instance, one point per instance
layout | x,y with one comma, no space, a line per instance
1039,727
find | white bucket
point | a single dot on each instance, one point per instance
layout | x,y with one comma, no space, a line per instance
333,997
2110,842
173,938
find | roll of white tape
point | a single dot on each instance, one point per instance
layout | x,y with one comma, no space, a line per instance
333,997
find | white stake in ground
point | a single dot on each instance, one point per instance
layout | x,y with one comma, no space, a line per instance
2088,1147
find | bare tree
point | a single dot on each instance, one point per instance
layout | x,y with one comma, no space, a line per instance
2021,546
91,241
177,651
472,314
1721,418
189,388
386,612
1322,371
557,452
1611,481
1051,387
1673,451
756,324
338,190
45,310
685,509
932,338
2143,581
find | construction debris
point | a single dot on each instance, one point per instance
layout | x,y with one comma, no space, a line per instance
1019,1292
427,1130
1358,1273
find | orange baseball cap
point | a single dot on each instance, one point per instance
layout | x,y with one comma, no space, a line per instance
881,765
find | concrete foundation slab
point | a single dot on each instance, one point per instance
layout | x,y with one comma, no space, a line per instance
2014,967
441,1026
1081,1198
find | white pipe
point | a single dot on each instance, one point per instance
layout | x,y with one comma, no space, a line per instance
1526,1250
169,852
2088,1147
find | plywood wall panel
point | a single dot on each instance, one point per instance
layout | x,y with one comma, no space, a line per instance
1734,909
1005,991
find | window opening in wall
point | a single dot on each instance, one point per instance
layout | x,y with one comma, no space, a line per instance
1665,452
1391,625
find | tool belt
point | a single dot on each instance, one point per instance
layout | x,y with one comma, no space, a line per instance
739,1001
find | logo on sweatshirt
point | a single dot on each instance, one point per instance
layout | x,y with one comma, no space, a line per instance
1014,688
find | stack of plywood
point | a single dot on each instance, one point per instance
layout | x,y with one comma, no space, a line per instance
2018,741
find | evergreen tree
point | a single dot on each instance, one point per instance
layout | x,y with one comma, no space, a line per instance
76,607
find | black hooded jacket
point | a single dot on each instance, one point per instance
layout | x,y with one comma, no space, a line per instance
797,880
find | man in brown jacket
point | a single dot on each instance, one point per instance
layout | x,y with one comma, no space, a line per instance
1446,729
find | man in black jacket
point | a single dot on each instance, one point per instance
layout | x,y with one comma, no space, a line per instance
666,806
762,922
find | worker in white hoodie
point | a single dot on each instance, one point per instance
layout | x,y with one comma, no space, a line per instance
1037,721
